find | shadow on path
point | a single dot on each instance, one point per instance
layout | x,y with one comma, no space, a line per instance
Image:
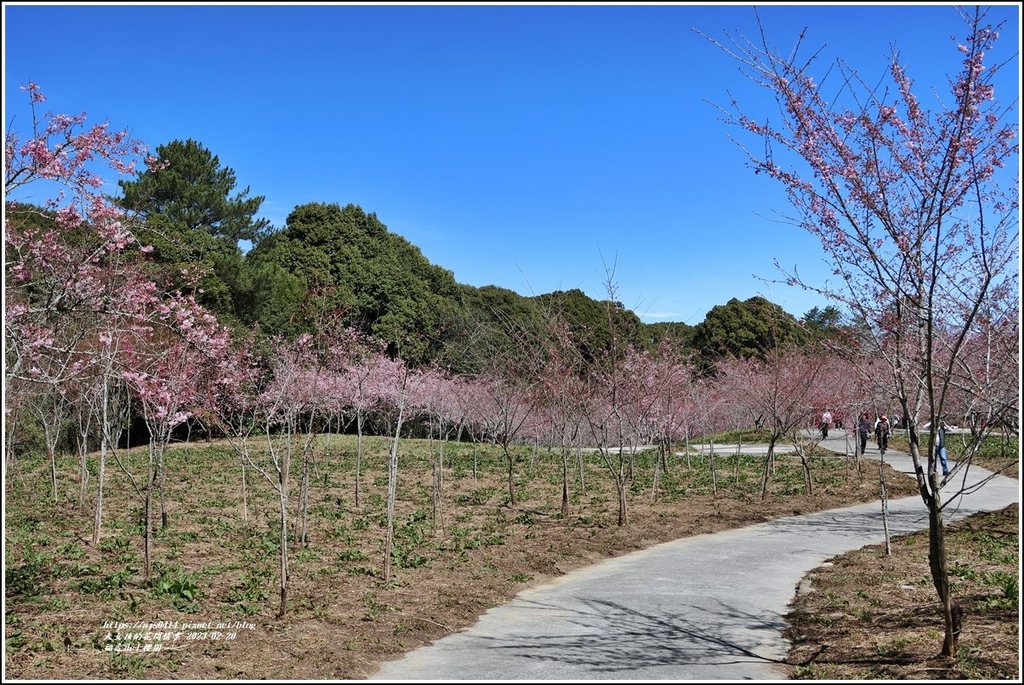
612,639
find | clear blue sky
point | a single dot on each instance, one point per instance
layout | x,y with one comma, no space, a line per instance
521,146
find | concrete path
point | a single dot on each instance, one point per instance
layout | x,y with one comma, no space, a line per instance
709,607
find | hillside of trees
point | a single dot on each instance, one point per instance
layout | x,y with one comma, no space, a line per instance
336,261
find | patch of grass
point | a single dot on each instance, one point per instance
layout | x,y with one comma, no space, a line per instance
480,551
905,627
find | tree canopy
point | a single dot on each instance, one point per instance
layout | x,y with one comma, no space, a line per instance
386,285
193,222
745,329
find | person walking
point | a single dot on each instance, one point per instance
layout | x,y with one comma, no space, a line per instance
940,446
882,429
826,419
864,427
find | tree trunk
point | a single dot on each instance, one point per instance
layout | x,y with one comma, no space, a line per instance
98,519
283,499
440,483
579,460
565,482
885,507
767,469
83,461
102,467
952,612
148,533
434,523
620,486
807,472
657,472
359,450
304,497
393,487
714,474
511,480
245,489
163,500
52,450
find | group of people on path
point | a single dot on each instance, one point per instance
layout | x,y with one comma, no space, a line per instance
882,429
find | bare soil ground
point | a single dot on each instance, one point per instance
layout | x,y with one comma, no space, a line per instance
871,616
210,608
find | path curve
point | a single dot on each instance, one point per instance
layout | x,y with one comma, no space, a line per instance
708,607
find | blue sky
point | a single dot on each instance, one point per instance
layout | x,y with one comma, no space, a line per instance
531,147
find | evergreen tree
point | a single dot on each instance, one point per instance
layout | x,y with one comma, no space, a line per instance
194,223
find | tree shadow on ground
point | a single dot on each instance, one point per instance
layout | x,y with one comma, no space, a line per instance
613,639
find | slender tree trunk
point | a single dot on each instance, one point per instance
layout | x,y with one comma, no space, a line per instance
102,466
84,422
766,475
51,450
284,556
511,479
10,430
952,612
565,481
359,451
580,461
657,472
147,516
148,534
101,472
714,473
885,507
162,477
440,482
245,487
807,472
283,478
304,497
393,486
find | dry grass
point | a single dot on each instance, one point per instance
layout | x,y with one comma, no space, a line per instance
868,616
451,562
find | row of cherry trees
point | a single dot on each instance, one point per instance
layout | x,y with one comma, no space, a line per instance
92,343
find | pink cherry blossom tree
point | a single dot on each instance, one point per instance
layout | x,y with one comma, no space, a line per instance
434,398
231,403
166,371
509,389
786,388
671,378
914,209
72,283
287,408
49,277
392,382
560,397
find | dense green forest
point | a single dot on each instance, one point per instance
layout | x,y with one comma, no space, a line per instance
341,263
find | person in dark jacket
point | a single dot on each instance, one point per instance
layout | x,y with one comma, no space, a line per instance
882,429
864,428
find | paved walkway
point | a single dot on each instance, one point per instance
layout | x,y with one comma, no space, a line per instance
709,607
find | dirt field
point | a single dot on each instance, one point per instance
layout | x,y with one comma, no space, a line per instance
210,607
